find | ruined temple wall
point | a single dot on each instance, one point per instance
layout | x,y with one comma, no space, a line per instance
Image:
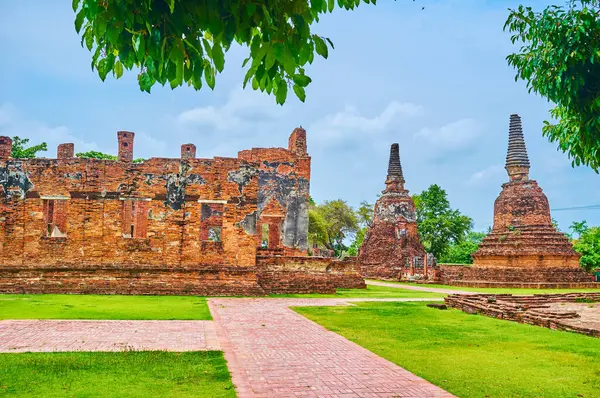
91,195
303,274
283,189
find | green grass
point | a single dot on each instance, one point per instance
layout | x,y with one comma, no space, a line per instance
470,355
67,306
122,374
496,290
369,292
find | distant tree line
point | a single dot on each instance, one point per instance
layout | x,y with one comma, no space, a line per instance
21,150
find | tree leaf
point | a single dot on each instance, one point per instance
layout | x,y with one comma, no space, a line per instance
209,75
281,93
79,20
118,69
218,57
321,47
299,90
171,5
302,80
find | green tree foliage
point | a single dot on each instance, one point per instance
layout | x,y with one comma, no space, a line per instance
579,227
95,155
560,60
359,238
365,220
102,155
331,223
439,226
460,253
588,244
365,214
20,150
185,41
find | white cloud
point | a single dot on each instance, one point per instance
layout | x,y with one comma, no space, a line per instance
485,175
242,106
453,136
350,125
12,123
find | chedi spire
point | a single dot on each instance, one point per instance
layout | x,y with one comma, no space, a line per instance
517,161
395,178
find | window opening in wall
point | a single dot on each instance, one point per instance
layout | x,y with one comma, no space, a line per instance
264,240
134,219
211,222
55,218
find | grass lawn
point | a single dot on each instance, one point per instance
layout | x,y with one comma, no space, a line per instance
122,374
369,292
470,355
72,306
496,290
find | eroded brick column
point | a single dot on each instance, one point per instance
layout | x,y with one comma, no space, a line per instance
65,151
188,151
5,147
297,141
125,145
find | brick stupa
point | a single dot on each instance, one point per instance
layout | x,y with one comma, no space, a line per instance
524,248
391,249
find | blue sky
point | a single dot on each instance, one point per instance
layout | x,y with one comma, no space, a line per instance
433,80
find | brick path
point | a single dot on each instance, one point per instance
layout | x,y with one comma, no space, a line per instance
76,335
418,288
274,352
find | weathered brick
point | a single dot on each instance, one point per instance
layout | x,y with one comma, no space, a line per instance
164,226
391,248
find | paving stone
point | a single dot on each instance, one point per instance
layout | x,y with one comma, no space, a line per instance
273,351
76,335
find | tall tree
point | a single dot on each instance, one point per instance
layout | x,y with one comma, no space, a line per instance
460,253
331,223
185,41
365,214
438,224
588,245
365,220
20,150
560,60
579,227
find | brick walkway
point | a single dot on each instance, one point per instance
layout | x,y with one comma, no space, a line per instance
419,288
59,335
274,352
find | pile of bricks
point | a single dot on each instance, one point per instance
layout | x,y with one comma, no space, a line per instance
532,310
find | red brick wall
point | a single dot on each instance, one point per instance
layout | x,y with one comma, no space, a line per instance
96,202
307,274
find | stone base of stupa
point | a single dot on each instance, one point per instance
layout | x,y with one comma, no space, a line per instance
521,277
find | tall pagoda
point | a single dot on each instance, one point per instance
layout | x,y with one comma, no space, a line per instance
391,249
523,235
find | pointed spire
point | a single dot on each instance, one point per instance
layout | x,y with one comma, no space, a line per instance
395,178
517,161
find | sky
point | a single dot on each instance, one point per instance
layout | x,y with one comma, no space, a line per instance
434,80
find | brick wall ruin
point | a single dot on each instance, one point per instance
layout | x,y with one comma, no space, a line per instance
573,312
164,226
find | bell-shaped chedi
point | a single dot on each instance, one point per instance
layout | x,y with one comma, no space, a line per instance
391,247
523,235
